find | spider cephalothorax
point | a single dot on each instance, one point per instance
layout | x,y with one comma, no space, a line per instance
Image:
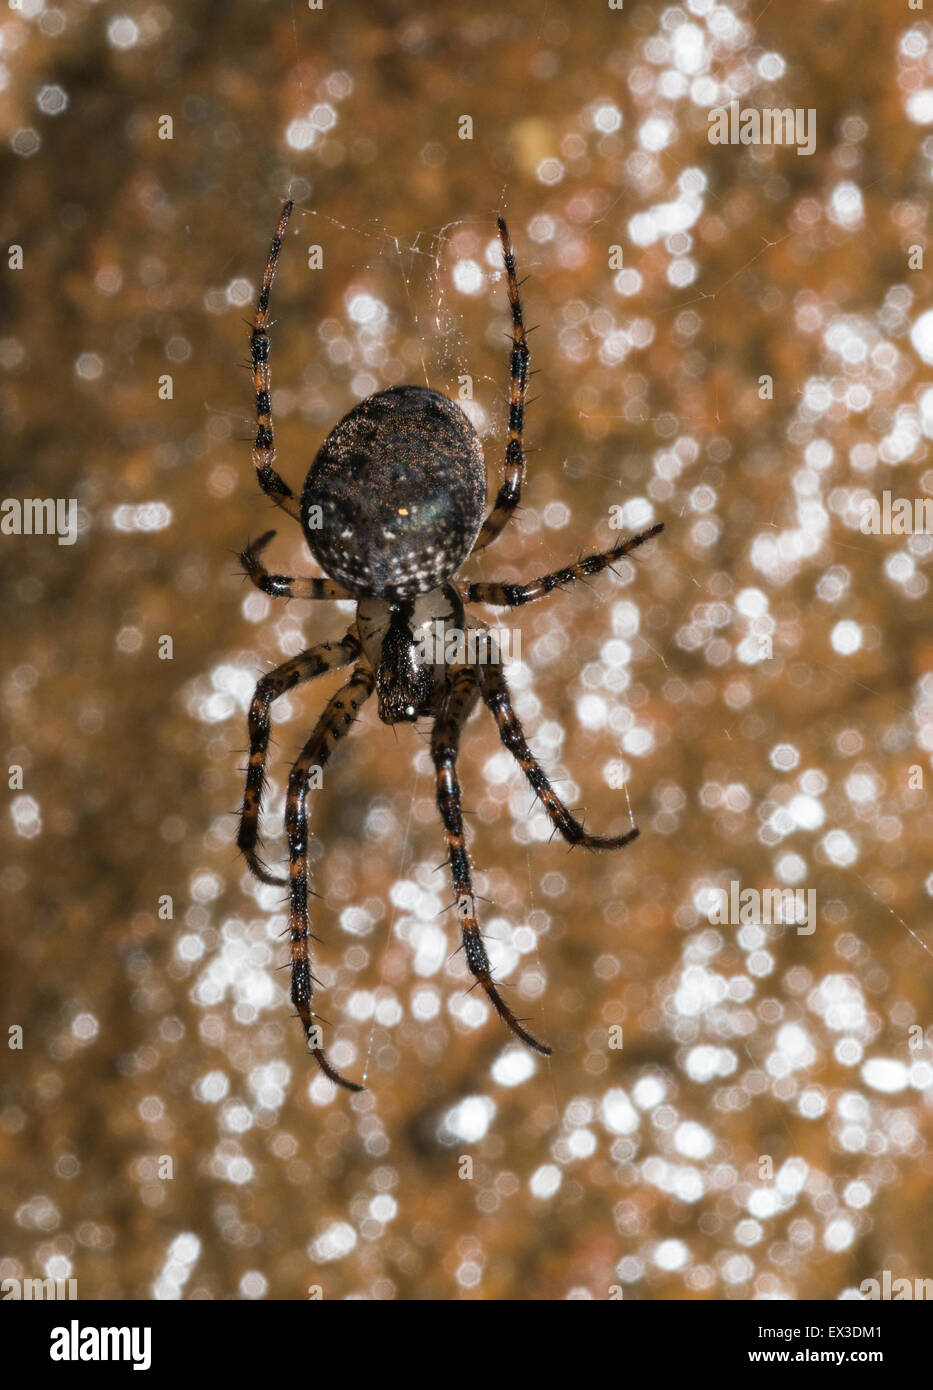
397,640
392,507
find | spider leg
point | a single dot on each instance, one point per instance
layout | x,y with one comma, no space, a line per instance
514,595
264,448
496,695
510,492
457,702
284,585
336,721
328,656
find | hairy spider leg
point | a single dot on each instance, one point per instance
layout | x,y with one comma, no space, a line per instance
495,693
336,721
328,656
264,448
286,585
456,704
510,492
514,595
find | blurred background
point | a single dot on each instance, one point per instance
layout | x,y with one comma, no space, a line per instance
736,340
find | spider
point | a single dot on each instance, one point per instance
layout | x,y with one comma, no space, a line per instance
392,507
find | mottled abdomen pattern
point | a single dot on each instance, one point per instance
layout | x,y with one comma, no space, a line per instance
401,484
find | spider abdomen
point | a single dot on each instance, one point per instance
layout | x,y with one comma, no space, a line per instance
400,484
